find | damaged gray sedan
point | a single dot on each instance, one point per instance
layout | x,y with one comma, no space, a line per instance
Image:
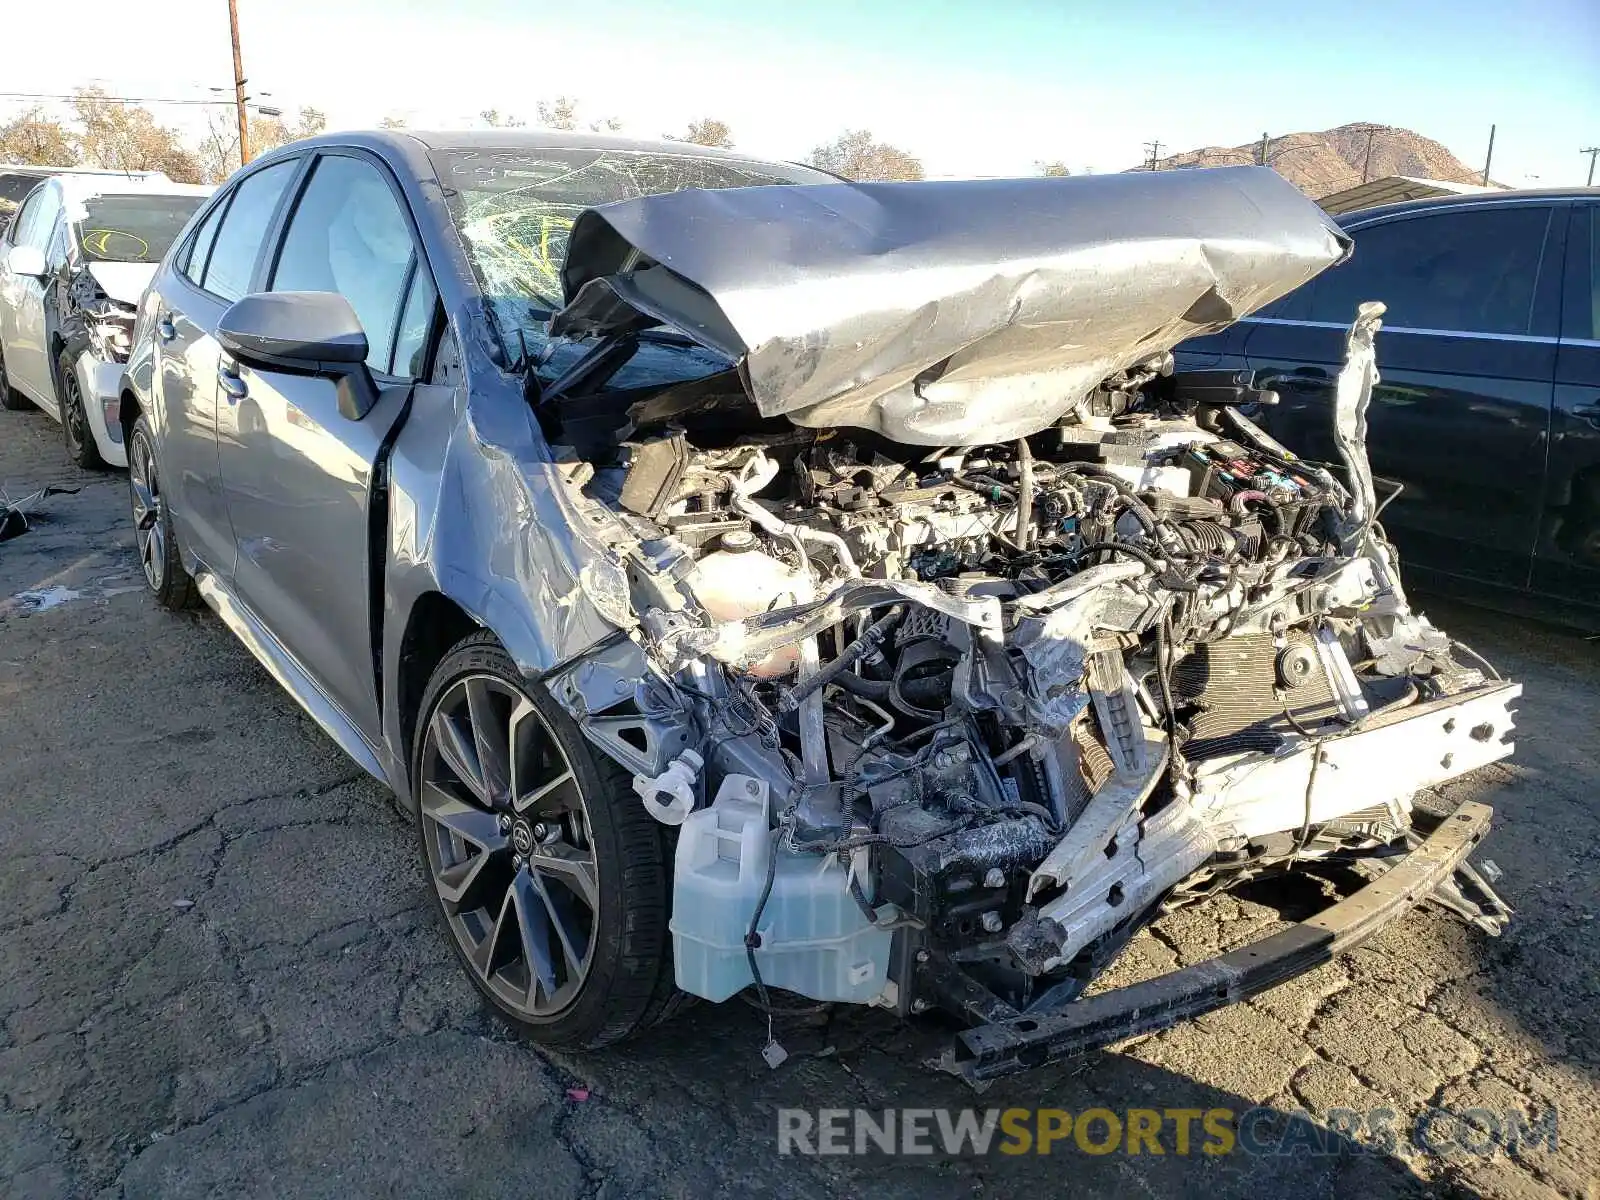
755,581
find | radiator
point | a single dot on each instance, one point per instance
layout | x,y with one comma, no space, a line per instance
1232,699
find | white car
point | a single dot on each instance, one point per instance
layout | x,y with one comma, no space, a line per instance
74,262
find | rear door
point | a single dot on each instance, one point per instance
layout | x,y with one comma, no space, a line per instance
213,269
1461,418
299,474
1567,562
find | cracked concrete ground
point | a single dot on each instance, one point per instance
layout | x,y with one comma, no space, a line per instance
219,973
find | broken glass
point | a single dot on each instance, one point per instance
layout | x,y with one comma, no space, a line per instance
515,208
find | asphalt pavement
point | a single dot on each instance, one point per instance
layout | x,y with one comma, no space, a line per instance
220,973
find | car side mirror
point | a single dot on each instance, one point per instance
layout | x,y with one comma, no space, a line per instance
27,260
306,333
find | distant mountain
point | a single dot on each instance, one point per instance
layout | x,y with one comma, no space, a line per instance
1320,164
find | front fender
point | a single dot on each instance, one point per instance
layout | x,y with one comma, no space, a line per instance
478,511
136,385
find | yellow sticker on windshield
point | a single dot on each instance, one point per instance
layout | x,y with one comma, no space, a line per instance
116,243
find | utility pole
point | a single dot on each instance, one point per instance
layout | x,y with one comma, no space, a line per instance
1366,163
238,83
1153,149
1488,158
1591,151
1266,145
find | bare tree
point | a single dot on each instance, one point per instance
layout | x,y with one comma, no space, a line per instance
268,133
560,113
37,138
855,155
179,164
1054,169
707,131
218,151
219,146
126,137
494,120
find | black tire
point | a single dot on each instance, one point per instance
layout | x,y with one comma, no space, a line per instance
81,447
155,538
625,981
10,399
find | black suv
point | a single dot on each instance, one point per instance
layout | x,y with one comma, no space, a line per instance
1488,413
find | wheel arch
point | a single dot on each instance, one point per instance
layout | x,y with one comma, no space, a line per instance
128,411
435,624
56,344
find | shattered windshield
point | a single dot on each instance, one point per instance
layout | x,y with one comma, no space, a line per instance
133,228
514,209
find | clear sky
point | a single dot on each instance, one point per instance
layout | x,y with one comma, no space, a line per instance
982,87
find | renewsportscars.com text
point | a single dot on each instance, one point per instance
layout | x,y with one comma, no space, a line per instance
1176,1131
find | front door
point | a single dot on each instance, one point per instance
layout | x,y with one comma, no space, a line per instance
298,474
22,299
1460,420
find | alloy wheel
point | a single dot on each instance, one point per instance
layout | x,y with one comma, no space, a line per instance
508,846
73,419
144,487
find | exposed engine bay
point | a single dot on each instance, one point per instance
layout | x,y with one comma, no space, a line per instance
946,727
958,634
93,319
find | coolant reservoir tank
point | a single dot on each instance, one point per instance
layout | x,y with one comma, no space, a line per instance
739,580
814,939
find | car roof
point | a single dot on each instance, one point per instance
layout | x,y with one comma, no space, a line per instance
1469,200
81,187
551,139
51,172
539,139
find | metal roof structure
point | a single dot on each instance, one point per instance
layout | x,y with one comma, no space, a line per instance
1394,188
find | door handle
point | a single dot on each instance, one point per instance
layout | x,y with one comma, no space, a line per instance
165,329
228,377
1301,379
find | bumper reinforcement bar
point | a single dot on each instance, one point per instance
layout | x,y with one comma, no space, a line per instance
1033,1039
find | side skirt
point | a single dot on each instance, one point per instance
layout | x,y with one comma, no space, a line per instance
290,674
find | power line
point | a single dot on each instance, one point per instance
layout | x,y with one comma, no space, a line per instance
111,99
1153,149
266,110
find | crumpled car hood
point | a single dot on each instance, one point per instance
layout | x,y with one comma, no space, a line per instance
944,313
124,282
